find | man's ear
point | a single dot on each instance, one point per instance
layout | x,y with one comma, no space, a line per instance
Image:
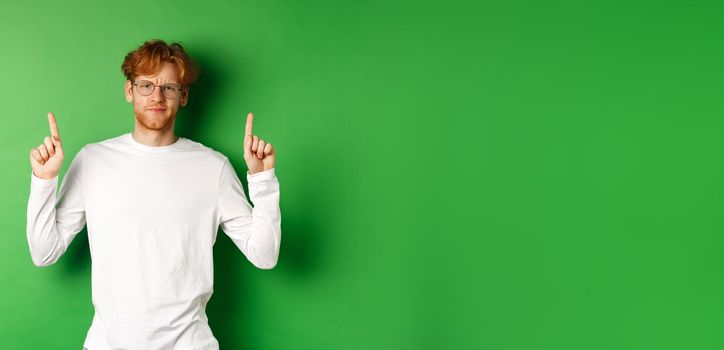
129,91
184,96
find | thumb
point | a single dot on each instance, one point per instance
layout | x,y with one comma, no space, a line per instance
57,144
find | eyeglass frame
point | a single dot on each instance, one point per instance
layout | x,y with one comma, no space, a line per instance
180,92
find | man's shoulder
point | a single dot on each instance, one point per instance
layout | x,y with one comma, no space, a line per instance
195,146
109,143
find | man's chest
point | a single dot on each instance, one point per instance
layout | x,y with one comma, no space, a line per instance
164,193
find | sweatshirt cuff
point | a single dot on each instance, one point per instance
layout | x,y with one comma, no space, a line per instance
261,176
42,184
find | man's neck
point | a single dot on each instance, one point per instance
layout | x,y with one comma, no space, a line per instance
154,138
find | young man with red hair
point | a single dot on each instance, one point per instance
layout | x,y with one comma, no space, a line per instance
153,202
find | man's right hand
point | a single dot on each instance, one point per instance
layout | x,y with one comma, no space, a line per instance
47,158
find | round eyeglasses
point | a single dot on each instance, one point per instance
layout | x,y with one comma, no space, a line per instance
170,90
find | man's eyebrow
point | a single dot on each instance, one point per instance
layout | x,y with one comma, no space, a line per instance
155,80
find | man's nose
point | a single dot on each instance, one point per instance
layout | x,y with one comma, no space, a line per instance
157,94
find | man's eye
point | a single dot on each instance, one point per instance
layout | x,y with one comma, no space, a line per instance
171,88
145,85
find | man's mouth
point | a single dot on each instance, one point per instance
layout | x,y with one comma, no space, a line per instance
157,109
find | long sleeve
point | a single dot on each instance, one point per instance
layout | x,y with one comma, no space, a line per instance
51,225
255,231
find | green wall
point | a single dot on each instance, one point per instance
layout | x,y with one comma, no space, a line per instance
489,175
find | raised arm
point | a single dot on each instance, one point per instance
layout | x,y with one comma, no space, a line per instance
256,231
53,221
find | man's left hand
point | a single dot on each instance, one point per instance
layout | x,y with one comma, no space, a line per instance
258,154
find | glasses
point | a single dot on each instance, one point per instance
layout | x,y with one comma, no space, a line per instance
169,90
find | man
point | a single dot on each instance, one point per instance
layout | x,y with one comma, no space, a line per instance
153,202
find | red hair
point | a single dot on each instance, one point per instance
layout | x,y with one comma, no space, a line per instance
147,60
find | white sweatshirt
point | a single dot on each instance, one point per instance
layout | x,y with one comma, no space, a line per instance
152,216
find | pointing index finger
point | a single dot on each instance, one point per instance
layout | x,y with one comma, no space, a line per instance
249,121
53,125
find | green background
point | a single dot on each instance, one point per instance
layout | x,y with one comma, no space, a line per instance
457,175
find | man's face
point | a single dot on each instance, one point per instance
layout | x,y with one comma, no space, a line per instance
156,111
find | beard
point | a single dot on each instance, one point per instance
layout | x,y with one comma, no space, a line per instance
154,121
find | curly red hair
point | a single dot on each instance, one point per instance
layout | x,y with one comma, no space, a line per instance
147,60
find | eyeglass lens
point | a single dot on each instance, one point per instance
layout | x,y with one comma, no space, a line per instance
169,90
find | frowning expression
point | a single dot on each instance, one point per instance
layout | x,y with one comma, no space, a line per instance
156,111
